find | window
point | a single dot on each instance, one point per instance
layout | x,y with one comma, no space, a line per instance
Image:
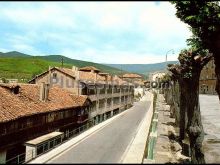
54,75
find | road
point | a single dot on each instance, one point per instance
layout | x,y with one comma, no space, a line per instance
210,111
110,143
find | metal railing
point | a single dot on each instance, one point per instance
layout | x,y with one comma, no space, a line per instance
48,145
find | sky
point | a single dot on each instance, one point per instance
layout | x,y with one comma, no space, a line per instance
102,32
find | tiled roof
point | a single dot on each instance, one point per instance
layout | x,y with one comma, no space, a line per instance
67,71
26,102
131,75
87,76
91,76
89,68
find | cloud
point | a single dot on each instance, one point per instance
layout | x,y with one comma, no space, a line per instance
105,32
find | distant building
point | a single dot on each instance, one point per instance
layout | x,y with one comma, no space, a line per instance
132,77
8,80
207,80
157,76
138,82
12,80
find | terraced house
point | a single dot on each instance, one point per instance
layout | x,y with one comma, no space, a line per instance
28,111
109,94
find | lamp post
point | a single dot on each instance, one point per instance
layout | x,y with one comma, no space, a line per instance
168,52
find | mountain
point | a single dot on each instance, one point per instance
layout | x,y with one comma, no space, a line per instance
143,68
22,66
13,54
80,63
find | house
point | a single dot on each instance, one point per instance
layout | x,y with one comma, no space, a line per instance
109,94
207,80
137,80
132,77
28,111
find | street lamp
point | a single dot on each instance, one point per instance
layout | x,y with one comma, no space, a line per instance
168,52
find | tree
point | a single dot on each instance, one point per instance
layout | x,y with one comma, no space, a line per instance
187,73
204,20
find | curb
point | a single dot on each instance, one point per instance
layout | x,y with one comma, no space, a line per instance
136,151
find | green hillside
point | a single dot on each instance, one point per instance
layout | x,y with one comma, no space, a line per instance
143,68
13,54
24,68
80,63
16,65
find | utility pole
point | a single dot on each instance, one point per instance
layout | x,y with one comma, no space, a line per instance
121,70
168,52
62,62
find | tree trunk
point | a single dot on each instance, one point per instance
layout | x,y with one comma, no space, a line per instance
215,49
183,108
217,72
194,124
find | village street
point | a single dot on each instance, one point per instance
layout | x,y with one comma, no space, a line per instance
109,144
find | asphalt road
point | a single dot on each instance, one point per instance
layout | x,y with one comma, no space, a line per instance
110,143
210,112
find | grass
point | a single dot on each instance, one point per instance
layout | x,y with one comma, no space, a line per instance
24,68
27,67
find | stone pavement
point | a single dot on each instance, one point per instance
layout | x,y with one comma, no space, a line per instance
210,112
167,149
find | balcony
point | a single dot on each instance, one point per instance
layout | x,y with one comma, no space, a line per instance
82,118
115,106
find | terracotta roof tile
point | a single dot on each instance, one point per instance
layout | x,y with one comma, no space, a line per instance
67,71
88,68
26,103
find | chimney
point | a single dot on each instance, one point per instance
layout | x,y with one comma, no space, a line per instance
15,90
76,72
112,78
49,76
44,91
42,87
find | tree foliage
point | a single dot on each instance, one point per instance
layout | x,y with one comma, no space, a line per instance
204,20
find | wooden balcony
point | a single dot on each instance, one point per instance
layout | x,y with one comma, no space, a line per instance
82,118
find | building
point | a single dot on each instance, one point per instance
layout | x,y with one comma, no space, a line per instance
28,111
8,80
109,94
132,77
207,80
137,80
157,76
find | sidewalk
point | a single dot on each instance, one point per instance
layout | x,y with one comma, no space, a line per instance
167,149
